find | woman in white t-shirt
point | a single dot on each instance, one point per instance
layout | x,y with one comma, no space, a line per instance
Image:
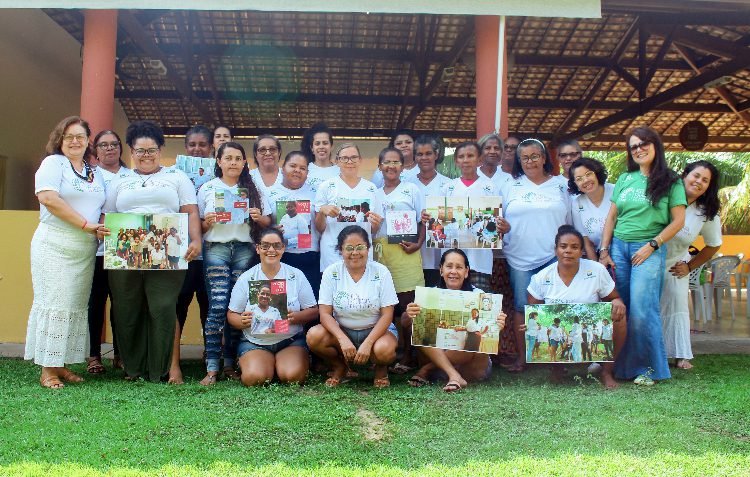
228,251
146,338
591,201
294,188
460,367
573,279
263,356
63,249
356,312
403,140
267,153
221,135
317,144
701,179
536,204
339,199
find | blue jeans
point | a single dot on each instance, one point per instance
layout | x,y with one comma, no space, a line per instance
530,342
224,263
640,290
519,281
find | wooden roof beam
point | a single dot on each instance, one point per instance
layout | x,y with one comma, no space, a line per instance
703,42
642,107
142,38
204,59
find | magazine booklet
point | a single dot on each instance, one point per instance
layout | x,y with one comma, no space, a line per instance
231,208
267,300
401,226
198,169
295,220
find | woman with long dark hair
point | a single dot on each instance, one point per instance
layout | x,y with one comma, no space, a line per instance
317,146
701,180
648,209
228,249
591,201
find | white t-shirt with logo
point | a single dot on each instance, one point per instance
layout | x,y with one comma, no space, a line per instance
306,192
299,296
317,174
224,233
162,192
356,305
590,285
500,178
329,193
405,196
377,176
479,260
534,212
430,256
56,174
258,180
588,218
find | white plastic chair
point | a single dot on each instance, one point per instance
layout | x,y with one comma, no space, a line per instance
742,275
697,291
721,273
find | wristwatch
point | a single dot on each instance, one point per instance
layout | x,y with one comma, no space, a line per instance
654,244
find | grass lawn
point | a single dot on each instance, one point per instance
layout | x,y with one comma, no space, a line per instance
696,424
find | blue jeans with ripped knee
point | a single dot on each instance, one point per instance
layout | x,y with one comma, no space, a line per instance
224,262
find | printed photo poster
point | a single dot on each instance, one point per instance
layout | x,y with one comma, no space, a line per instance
457,320
295,222
231,208
464,222
351,212
267,301
198,169
570,333
146,241
401,226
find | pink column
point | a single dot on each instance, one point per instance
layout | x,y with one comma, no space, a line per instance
98,75
487,46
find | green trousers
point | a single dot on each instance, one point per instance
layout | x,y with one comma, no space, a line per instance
145,305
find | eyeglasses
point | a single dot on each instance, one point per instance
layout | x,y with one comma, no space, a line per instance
348,158
108,145
582,178
531,158
390,163
641,145
152,151
273,245
75,137
359,248
568,155
268,150
510,147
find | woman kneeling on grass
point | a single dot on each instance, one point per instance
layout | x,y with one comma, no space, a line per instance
264,356
573,279
356,311
461,367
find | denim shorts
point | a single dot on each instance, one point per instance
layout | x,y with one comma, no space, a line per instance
554,343
297,340
358,336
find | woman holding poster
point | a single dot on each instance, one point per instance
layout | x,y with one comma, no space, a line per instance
459,367
228,249
266,355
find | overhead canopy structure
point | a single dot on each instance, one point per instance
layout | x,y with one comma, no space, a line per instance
660,62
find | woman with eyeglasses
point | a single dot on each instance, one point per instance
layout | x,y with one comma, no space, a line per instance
701,180
145,301
227,250
317,144
63,248
266,152
289,202
403,140
344,199
264,356
356,312
458,368
647,210
591,200
536,204
567,152
108,149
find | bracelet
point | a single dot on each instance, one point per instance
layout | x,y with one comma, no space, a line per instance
605,249
661,240
85,223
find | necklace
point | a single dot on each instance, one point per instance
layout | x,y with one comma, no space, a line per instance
150,176
89,173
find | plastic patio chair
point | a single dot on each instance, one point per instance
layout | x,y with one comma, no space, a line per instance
698,293
742,276
721,273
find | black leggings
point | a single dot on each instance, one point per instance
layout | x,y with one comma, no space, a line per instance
194,283
97,309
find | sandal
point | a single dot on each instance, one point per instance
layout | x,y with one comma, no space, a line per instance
418,381
117,363
400,368
231,373
51,382
94,365
69,376
643,380
452,387
381,383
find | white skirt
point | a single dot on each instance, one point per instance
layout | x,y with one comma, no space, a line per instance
62,268
675,317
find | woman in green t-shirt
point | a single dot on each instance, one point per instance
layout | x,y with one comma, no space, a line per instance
648,209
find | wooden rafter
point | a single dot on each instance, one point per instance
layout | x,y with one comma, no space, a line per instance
205,60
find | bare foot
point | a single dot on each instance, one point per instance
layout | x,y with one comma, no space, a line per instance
210,378
684,364
175,376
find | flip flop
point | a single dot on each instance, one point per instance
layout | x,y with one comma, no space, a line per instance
418,381
452,387
69,376
51,382
94,366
